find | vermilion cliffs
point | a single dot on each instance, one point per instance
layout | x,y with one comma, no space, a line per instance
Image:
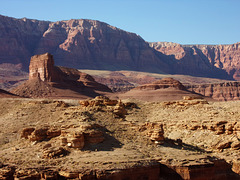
226,57
90,44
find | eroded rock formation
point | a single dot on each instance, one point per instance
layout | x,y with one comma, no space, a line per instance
42,67
220,91
162,84
203,57
184,139
47,80
160,90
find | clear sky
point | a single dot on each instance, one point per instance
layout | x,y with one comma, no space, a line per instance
180,21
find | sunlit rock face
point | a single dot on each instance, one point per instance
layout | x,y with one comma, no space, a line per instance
42,66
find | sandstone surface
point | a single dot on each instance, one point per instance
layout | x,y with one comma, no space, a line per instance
47,139
205,57
220,91
47,80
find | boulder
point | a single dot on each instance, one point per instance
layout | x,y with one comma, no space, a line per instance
154,131
40,134
54,152
224,145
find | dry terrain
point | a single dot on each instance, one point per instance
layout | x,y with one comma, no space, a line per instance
109,139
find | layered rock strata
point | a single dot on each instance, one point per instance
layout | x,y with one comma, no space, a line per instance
219,91
87,141
160,90
162,84
197,58
90,44
47,80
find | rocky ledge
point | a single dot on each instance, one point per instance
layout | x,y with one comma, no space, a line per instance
220,91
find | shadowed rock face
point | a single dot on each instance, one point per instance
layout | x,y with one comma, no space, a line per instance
221,91
90,44
203,57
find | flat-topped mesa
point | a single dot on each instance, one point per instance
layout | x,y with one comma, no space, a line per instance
42,66
162,84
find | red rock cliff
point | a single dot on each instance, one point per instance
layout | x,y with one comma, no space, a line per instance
90,44
202,57
221,91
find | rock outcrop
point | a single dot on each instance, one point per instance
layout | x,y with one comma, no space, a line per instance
219,91
162,84
42,67
174,140
47,80
100,102
154,131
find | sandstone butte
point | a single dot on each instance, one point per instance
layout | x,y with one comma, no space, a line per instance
90,44
49,81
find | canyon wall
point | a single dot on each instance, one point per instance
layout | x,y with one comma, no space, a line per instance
90,44
219,91
202,57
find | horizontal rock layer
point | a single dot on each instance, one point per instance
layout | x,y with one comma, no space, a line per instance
219,91
90,44
197,58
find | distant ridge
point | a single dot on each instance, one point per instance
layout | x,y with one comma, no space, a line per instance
91,44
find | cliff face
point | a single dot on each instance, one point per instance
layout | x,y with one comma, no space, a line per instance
221,91
162,84
203,57
96,45
89,44
76,43
19,38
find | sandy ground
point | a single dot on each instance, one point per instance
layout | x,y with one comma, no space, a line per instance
124,144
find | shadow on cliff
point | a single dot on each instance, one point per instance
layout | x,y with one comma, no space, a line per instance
195,63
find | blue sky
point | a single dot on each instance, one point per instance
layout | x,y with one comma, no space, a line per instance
180,21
